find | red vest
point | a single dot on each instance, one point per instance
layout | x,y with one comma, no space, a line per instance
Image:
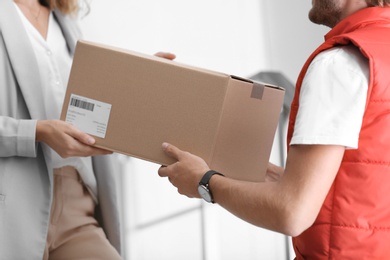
354,221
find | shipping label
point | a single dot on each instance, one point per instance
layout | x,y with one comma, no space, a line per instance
89,115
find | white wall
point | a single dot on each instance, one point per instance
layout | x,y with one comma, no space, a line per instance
290,36
217,34
232,36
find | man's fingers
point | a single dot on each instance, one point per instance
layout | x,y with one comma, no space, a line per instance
163,171
172,151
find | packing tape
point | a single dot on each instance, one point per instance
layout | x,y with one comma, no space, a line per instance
257,90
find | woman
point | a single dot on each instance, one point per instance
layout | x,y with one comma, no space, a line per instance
58,197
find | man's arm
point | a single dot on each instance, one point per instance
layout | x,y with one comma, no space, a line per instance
289,205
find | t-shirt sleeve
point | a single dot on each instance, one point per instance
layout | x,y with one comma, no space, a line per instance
332,99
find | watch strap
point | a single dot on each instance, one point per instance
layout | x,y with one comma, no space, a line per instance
205,182
207,176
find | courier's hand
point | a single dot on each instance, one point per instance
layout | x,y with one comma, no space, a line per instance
186,173
165,55
66,139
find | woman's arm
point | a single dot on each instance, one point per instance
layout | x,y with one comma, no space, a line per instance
20,137
17,137
66,139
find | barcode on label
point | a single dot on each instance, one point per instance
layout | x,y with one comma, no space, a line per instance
82,104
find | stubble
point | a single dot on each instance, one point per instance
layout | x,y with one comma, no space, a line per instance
325,12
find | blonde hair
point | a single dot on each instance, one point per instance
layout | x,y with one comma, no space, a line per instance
65,6
381,3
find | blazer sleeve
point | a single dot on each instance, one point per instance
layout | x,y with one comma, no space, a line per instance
17,137
17,130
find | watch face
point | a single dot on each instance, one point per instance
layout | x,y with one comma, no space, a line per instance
204,193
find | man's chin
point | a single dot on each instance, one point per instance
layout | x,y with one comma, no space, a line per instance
319,19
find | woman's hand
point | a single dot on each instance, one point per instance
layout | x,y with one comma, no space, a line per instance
66,139
165,55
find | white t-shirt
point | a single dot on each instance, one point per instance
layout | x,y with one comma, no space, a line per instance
54,63
333,98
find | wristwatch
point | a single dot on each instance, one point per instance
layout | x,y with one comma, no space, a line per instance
203,187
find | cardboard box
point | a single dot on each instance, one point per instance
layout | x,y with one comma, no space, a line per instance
133,102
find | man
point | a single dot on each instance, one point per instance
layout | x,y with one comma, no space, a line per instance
332,196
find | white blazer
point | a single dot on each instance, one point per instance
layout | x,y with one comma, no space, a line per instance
25,182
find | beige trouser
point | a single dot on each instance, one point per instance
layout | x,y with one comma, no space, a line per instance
73,231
